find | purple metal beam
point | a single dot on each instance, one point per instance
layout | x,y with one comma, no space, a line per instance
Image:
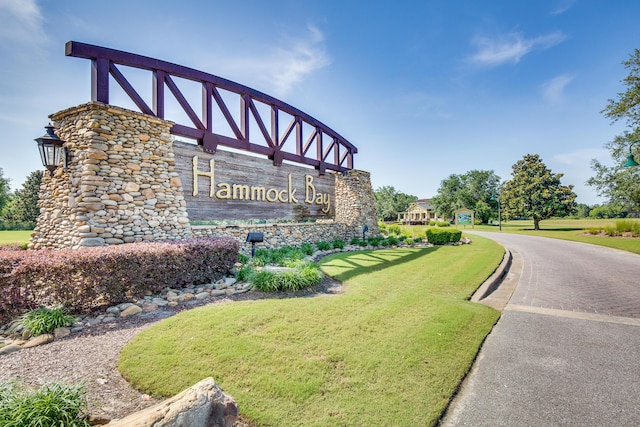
103,63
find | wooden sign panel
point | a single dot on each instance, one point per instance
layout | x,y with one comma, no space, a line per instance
232,186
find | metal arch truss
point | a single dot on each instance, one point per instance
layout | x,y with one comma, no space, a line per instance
331,152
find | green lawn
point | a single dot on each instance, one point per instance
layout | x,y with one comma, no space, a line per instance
565,229
391,350
21,236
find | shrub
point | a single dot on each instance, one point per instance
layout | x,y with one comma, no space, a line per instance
610,230
392,241
265,281
417,239
305,276
441,237
82,280
409,241
243,259
338,244
374,241
42,320
52,404
244,274
443,224
13,246
454,235
323,246
594,230
433,223
628,226
307,248
354,241
394,229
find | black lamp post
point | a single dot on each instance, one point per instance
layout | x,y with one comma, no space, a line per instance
51,149
630,160
497,198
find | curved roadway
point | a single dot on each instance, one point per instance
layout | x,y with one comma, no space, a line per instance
566,351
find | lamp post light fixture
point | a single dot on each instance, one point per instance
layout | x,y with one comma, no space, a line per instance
497,198
630,160
52,150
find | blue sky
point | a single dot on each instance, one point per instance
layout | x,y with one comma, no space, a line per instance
424,89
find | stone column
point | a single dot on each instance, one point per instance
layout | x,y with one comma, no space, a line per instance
120,185
355,202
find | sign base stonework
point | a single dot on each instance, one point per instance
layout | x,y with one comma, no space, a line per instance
127,181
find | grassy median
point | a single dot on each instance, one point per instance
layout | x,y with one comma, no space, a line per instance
391,350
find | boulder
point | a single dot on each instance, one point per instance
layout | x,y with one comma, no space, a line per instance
204,404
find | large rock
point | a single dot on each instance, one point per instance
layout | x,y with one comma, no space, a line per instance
204,404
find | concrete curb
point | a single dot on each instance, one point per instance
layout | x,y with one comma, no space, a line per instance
494,281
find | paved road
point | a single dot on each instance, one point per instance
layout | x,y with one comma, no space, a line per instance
566,351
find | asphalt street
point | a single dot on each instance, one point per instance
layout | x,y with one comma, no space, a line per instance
566,351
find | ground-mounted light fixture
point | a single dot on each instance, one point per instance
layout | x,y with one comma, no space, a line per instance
253,238
630,160
365,229
52,150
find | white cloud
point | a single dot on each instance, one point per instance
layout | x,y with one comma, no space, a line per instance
553,90
21,22
510,48
281,68
562,7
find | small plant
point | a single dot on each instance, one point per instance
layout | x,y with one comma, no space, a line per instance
243,259
307,248
393,241
610,230
354,241
244,274
323,246
265,281
443,224
53,404
304,276
594,231
394,229
338,244
42,320
417,239
374,241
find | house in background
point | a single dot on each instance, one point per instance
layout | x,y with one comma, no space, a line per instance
419,212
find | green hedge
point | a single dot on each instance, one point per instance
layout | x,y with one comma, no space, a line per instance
438,236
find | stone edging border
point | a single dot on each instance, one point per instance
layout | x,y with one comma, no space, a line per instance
494,281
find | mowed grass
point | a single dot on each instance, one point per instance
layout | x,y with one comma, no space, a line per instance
564,229
21,236
390,350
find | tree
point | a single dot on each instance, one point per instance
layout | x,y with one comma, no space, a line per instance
472,190
5,193
617,183
389,202
23,206
536,192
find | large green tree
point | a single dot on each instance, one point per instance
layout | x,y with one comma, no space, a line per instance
472,190
535,192
23,206
618,183
389,202
5,192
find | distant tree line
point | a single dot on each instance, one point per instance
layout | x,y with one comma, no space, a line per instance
19,209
